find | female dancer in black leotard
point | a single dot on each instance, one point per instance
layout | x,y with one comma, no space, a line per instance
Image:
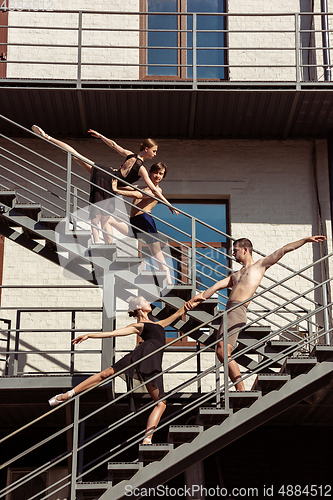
153,335
130,171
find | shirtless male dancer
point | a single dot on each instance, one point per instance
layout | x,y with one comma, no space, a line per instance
243,284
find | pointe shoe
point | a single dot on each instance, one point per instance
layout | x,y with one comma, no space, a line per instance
39,131
147,440
54,401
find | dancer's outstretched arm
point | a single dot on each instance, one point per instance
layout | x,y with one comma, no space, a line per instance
111,143
134,328
157,192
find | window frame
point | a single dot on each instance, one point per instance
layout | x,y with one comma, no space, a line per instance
181,48
225,245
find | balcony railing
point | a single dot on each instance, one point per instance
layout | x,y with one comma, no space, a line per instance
83,48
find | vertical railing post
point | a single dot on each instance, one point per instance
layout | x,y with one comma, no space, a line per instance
297,54
198,368
218,381
72,345
79,54
75,446
193,260
68,190
108,322
17,343
326,319
225,362
194,59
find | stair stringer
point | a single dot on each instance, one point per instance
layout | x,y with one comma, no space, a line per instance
231,429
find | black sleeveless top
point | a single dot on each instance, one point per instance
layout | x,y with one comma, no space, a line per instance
133,174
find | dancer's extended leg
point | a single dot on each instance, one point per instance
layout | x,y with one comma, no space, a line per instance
86,384
155,415
234,371
107,227
81,160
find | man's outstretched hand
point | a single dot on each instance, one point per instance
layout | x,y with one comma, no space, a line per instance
315,239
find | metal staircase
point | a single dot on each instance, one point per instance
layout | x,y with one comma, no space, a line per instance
284,348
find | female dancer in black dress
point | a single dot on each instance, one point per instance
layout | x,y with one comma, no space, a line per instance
131,170
154,337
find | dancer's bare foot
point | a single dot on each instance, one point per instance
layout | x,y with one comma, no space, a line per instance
39,131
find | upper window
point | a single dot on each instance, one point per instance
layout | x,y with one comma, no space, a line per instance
169,32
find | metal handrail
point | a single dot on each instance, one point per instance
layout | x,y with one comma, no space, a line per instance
222,313
79,61
279,355
194,221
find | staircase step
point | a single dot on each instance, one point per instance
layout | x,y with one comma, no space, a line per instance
266,382
296,366
120,471
7,197
182,291
210,415
152,277
126,263
92,485
243,399
50,222
279,345
183,433
153,452
258,332
322,352
31,210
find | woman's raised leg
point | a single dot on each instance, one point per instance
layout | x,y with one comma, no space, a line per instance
86,384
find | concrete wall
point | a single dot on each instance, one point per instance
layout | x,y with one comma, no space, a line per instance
270,188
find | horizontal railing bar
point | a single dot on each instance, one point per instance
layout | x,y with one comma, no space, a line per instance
45,158
161,424
31,192
38,175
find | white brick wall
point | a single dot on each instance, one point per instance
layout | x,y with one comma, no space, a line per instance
275,205
65,35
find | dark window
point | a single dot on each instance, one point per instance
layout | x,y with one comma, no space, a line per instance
170,39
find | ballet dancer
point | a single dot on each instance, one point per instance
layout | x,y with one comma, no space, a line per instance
101,187
243,284
142,223
153,335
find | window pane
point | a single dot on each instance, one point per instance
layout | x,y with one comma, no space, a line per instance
162,38
210,262
213,56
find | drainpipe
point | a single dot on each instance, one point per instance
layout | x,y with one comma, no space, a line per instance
325,39
330,169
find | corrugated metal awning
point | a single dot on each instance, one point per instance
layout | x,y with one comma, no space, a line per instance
178,113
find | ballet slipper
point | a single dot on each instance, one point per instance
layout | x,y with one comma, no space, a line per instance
39,131
147,440
54,401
